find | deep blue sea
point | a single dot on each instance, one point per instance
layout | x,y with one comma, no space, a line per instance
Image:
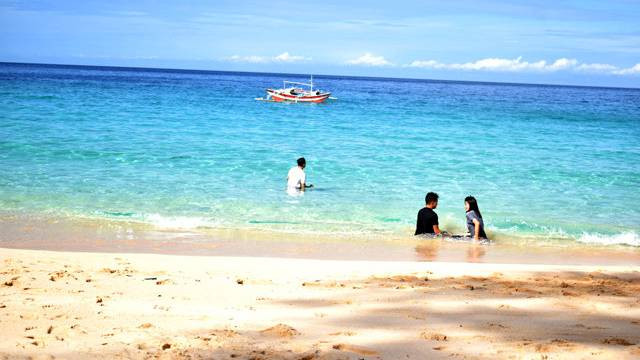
194,150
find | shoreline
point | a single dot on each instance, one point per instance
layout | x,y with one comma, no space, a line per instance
56,234
105,305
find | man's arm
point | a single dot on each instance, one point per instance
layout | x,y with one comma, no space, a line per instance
436,226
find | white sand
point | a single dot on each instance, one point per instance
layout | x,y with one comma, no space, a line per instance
97,305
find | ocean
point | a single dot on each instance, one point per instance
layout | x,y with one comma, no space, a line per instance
193,151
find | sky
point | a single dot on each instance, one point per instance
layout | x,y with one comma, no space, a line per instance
593,43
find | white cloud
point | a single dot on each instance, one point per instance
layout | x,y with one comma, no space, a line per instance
284,57
369,59
250,59
629,71
562,64
605,68
498,64
519,65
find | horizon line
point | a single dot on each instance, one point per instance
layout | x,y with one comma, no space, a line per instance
363,77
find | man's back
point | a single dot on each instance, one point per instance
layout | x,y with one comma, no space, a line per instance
427,218
295,178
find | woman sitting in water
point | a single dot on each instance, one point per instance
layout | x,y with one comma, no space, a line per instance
475,225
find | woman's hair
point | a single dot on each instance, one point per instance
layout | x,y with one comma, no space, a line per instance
473,205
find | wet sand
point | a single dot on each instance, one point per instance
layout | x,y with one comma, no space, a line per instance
105,305
59,234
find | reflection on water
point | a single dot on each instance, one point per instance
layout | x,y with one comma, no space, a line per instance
475,252
428,250
433,249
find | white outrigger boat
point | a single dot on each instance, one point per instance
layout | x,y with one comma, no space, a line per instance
292,92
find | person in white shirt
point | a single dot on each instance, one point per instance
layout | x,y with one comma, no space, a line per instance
297,179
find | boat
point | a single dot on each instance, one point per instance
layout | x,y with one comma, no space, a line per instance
293,92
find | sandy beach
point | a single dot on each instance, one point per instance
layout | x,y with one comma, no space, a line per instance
105,305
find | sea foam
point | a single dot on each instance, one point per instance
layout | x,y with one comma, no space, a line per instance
630,238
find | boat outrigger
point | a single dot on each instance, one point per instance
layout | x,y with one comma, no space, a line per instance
292,92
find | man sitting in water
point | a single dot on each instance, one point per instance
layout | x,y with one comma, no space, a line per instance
296,179
427,218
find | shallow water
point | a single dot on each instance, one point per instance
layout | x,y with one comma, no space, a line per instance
194,150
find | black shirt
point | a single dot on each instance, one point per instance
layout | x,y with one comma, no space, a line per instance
426,219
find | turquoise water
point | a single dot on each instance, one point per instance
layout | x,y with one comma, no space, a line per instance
194,150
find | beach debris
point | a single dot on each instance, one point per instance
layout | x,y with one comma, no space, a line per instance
98,300
344,333
617,341
562,343
433,336
151,278
57,275
281,330
50,329
497,325
240,282
225,333
166,346
163,282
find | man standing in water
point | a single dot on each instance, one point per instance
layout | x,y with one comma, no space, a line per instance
297,179
427,218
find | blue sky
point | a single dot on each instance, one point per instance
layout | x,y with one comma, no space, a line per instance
560,42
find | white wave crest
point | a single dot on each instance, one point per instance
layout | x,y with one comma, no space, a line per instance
630,238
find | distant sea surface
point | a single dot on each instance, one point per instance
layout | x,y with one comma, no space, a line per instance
194,150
